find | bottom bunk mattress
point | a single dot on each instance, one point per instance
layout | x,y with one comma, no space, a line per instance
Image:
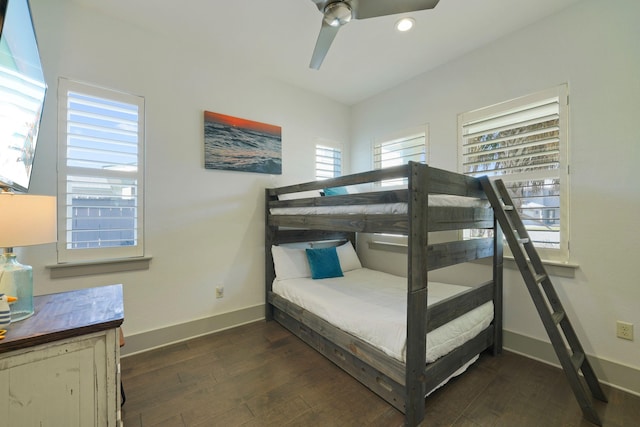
372,306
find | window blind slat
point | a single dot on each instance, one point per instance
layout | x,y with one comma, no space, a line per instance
79,118
473,133
518,114
88,153
552,129
509,158
126,131
102,104
102,143
534,146
512,169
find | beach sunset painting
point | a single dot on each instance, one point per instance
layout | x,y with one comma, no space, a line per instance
235,144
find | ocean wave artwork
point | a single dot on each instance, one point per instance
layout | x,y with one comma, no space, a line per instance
232,143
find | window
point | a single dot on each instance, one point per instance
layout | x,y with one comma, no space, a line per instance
400,151
328,162
100,173
524,143
396,150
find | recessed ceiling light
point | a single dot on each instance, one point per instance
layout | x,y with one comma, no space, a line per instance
405,24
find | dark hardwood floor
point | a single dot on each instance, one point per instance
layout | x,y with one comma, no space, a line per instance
261,375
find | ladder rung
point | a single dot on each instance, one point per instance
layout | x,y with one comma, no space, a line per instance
507,207
540,278
557,316
577,359
523,240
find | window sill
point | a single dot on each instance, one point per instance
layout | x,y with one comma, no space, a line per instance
554,268
75,269
387,246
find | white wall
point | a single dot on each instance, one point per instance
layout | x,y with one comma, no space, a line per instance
202,226
592,46
205,226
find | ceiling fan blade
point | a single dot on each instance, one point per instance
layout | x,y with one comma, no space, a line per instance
325,38
321,4
372,8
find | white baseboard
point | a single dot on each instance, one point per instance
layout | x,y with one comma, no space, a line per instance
156,338
616,375
623,377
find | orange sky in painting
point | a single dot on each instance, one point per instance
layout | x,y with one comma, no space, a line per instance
242,123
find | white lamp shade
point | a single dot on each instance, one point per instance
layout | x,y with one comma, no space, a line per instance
26,220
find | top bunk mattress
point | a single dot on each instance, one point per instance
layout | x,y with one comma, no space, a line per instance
372,306
440,200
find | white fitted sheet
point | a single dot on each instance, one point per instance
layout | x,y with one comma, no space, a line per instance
372,306
381,208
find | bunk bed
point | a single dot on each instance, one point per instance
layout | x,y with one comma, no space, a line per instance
433,200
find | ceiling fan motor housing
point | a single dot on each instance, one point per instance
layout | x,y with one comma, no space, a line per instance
337,14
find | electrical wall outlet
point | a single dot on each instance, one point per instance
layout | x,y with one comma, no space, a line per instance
624,330
219,291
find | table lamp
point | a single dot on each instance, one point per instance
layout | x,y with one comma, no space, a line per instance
25,220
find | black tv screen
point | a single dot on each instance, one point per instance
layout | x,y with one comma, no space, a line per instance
22,93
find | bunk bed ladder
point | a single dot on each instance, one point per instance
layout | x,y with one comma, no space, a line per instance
554,318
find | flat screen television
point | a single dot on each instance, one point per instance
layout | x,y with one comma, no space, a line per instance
22,93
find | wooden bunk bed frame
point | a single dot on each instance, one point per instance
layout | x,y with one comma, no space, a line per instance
403,385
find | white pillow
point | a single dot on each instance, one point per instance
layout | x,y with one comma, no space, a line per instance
299,195
348,257
290,263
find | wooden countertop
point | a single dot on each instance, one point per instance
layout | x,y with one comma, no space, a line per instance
66,315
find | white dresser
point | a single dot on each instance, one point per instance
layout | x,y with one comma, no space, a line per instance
61,366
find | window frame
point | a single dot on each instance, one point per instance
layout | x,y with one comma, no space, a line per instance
561,92
101,254
333,146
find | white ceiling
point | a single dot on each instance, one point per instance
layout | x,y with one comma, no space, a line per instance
367,56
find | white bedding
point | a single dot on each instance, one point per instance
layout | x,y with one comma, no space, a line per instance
372,305
381,208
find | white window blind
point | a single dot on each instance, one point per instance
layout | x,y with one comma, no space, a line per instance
409,145
523,142
101,170
399,151
328,162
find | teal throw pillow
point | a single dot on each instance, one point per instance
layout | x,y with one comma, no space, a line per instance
335,191
324,263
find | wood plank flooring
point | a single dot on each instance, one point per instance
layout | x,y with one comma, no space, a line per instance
261,375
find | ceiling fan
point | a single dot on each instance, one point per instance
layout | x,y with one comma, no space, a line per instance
339,12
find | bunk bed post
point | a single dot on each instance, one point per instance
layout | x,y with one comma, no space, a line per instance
352,238
269,274
497,286
416,293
